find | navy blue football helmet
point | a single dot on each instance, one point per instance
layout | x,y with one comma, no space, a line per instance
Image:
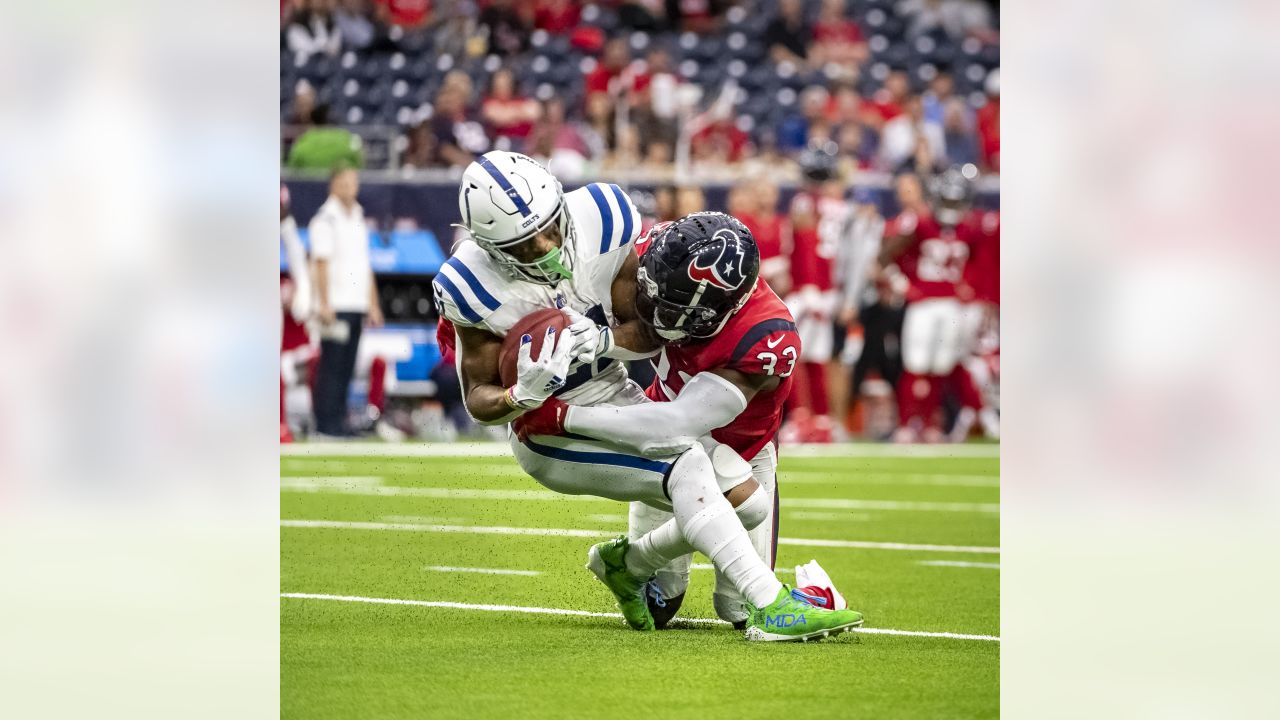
696,273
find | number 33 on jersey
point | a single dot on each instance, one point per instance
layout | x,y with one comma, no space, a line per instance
760,339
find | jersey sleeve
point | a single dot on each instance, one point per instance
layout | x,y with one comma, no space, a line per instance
462,297
618,222
770,347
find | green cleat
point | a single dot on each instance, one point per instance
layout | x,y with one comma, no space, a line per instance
607,561
790,618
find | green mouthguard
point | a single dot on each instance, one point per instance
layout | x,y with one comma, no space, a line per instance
550,264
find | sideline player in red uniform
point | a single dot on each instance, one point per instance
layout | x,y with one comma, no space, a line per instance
932,259
979,295
730,340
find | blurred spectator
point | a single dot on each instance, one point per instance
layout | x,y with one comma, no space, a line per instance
303,107
408,14
346,296
354,21
556,140
956,18
421,152
788,34
646,15
508,25
836,38
311,30
941,90
689,199
961,141
600,129
700,16
720,142
910,142
615,59
661,84
794,131
459,138
888,101
509,116
323,147
989,124
556,16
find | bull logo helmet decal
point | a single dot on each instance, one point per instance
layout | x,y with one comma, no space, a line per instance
725,272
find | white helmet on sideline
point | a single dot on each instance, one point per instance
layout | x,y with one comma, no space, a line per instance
507,198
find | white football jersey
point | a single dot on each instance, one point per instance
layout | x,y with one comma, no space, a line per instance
471,290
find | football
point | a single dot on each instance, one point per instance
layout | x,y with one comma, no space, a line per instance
534,324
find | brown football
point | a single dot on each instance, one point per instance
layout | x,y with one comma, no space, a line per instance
535,325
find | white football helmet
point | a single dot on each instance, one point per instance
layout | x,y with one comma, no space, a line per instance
507,198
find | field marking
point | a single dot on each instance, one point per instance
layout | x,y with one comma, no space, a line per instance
828,516
585,613
482,571
918,506
363,486
847,477
960,563
566,532
498,449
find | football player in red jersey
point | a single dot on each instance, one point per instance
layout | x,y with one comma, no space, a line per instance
725,370
817,213
932,259
979,295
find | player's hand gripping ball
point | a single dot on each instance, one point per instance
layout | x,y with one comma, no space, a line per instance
535,356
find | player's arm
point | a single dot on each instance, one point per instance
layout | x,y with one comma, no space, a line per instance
631,339
709,400
482,391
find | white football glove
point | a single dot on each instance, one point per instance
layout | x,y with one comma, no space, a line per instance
811,573
590,341
537,380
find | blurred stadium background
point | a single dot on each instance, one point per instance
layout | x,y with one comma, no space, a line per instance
798,116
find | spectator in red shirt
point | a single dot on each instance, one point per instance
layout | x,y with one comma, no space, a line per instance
989,124
408,14
555,16
889,100
616,57
507,114
721,141
836,38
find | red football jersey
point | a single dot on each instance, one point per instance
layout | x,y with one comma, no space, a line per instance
933,259
760,339
980,230
812,248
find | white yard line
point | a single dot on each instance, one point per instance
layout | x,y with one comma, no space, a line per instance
361,485
481,571
584,613
496,449
565,532
854,477
843,504
828,516
959,563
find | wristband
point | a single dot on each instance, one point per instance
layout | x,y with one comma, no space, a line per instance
515,404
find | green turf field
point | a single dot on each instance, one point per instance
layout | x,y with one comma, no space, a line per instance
912,542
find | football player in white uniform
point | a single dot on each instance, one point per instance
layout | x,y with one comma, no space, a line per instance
531,247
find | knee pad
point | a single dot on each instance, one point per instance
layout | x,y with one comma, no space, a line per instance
731,469
693,466
754,509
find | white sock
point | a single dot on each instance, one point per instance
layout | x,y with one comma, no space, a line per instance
707,522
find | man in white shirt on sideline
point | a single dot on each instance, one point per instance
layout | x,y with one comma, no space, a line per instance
346,296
